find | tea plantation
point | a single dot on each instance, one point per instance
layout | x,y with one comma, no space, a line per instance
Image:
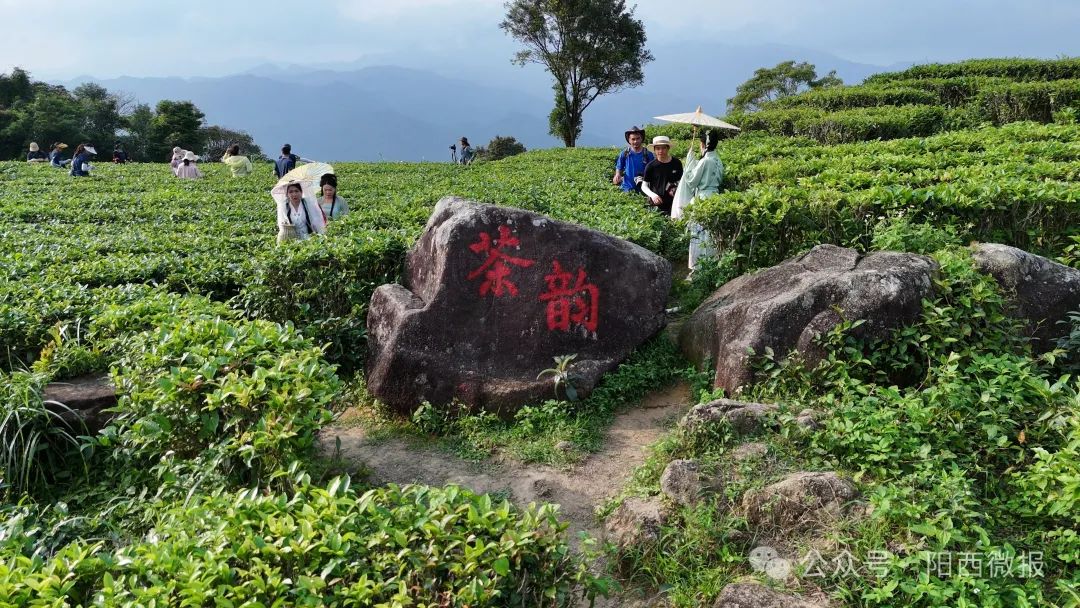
230,353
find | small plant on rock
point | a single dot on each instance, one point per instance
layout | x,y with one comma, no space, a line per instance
561,373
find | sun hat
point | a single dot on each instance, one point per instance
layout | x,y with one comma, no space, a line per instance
177,149
60,145
632,130
189,155
34,147
90,149
661,140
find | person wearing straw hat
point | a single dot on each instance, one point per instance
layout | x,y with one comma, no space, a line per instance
80,163
187,169
662,175
36,155
54,155
630,165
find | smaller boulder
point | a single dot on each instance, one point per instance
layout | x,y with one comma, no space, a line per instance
636,523
83,402
749,451
1041,291
807,420
682,482
756,595
744,417
799,501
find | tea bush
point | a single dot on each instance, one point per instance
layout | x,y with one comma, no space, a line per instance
315,546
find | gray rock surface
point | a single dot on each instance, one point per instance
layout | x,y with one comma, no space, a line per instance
83,400
682,482
635,523
745,418
492,294
799,501
786,307
756,595
1041,291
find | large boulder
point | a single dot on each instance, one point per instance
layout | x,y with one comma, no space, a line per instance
636,523
492,294
787,306
1041,291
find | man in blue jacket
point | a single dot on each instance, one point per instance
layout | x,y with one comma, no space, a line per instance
630,166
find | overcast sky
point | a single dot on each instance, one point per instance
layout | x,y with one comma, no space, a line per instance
105,38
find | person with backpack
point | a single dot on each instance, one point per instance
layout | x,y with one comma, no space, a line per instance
631,163
298,217
287,161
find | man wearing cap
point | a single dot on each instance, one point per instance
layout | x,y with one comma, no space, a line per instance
661,176
630,166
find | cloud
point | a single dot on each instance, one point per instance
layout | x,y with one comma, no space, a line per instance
377,11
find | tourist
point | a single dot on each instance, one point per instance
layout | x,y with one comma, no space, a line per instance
177,157
118,154
35,155
80,163
287,161
332,205
187,169
630,165
298,218
54,155
467,154
237,164
661,176
702,179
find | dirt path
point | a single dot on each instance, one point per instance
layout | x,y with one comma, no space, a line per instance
579,490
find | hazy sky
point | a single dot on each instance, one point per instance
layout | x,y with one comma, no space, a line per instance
203,37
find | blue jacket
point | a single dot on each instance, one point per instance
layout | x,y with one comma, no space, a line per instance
284,164
632,164
77,163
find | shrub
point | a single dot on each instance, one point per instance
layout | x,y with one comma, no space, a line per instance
502,147
250,394
318,546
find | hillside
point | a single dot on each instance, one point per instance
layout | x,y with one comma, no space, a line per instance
239,367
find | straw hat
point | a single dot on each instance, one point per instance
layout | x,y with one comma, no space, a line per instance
660,140
34,147
60,145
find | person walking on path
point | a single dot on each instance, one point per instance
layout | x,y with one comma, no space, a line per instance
662,176
630,165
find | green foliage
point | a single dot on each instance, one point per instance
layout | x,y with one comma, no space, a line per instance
591,48
219,140
316,546
250,393
561,375
176,123
900,234
37,448
1012,69
502,147
783,80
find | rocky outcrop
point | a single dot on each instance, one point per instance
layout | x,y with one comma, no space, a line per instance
636,523
1041,291
683,483
799,501
788,306
745,418
492,294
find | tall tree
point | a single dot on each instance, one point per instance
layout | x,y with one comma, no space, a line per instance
100,113
786,79
218,139
176,123
591,47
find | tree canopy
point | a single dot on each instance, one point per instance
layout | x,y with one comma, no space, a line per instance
783,80
591,47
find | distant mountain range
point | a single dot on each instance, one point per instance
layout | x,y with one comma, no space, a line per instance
386,112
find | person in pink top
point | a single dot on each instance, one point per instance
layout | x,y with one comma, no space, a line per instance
187,169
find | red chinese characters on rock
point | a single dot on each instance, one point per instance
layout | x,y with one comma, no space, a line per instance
578,303
496,268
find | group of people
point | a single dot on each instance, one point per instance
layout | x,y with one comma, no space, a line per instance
667,185
79,162
300,217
